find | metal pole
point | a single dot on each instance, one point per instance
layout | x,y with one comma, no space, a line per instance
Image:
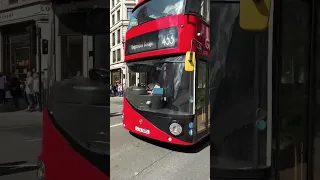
39,59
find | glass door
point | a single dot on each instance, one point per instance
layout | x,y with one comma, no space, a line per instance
316,101
293,89
201,98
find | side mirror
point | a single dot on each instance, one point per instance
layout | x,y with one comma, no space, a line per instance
190,61
254,14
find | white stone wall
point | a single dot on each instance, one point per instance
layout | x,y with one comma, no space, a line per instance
122,25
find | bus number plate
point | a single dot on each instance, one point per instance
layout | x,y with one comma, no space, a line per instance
145,131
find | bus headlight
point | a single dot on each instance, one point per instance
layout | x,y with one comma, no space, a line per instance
175,129
41,170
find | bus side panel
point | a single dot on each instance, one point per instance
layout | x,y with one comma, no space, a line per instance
133,119
60,160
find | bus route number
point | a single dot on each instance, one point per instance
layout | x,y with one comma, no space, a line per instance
168,40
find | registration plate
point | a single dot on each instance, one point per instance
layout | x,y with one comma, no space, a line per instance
145,131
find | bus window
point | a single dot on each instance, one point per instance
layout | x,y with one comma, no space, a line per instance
200,7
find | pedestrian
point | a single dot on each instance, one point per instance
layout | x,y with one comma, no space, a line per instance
44,83
115,89
111,90
7,88
2,88
36,92
119,90
29,91
15,90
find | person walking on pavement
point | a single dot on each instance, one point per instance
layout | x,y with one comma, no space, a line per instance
29,91
2,88
36,92
119,90
15,90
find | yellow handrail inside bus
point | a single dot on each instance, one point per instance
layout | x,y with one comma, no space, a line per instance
254,14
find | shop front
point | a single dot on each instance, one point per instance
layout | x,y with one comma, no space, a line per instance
19,50
115,76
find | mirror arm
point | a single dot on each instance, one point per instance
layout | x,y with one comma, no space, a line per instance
198,47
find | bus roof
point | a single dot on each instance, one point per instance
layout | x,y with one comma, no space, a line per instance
139,4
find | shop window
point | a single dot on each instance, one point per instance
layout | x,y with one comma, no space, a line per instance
18,58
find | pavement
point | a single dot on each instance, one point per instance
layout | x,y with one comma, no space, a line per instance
137,158
20,145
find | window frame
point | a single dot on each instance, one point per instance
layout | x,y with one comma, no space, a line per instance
118,36
114,58
129,12
118,55
118,15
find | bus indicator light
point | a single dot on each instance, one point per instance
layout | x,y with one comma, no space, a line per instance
191,125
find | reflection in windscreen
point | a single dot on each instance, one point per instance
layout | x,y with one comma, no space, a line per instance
155,9
238,91
169,74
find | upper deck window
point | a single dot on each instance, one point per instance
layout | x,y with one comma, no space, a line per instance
155,9
200,7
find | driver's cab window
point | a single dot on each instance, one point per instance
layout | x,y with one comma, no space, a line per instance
200,7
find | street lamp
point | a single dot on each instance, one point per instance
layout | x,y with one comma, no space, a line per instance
38,32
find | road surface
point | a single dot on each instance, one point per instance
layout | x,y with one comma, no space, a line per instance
133,158
20,145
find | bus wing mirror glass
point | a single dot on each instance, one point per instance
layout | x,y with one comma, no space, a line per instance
190,61
254,14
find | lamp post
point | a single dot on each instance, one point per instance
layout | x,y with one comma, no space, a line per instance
38,32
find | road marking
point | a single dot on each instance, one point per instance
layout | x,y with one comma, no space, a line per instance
115,125
19,166
30,140
18,127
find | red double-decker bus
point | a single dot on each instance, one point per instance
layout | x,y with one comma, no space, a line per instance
75,143
167,46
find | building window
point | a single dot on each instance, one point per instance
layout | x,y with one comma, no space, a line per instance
113,39
118,1
118,34
118,55
113,56
112,5
129,13
113,19
118,15
13,1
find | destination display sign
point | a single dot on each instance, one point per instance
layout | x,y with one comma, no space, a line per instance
162,39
